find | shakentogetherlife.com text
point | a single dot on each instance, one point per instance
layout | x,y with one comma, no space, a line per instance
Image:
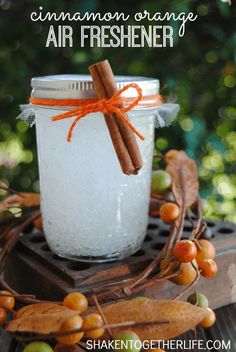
172,345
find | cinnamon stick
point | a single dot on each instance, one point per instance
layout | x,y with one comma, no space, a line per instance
122,136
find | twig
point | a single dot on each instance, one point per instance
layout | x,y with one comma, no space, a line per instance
197,244
11,190
170,240
199,221
6,287
161,198
153,282
102,314
6,250
182,208
190,218
154,264
129,288
27,299
12,225
181,222
119,292
201,230
17,296
144,274
71,332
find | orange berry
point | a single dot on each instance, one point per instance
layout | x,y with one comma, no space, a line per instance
3,316
185,251
208,268
156,350
7,301
169,212
95,321
186,276
38,223
205,250
170,155
187,273
209,319
72,323
76,301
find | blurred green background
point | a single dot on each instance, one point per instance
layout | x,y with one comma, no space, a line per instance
199,72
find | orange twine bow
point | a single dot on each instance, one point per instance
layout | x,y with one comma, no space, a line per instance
85,107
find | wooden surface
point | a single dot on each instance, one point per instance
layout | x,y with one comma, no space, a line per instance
33,268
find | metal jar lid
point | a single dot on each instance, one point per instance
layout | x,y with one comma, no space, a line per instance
81,86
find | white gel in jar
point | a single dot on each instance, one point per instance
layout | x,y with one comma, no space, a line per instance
91,210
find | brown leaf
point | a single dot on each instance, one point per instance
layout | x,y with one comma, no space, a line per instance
42,318
24,199
183,171
182,316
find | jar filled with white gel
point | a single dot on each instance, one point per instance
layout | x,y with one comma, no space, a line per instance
91,210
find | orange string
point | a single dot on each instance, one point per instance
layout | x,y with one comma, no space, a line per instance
106,106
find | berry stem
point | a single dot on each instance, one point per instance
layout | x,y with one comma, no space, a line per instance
171,239
201,230
198,226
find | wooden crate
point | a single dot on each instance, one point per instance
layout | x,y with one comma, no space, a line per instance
33,268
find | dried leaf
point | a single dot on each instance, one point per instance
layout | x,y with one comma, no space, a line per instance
182,316
183,171
24,199
42,318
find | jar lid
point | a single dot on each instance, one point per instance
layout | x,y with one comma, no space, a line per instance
81,86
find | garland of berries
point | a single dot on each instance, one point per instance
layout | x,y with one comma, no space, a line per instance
181,261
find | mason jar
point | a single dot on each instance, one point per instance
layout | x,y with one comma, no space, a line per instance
91,211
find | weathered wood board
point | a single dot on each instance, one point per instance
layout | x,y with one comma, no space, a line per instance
33,268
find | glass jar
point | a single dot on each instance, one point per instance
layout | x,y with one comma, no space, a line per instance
91,211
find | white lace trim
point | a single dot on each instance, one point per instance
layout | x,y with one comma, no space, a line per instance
165,114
